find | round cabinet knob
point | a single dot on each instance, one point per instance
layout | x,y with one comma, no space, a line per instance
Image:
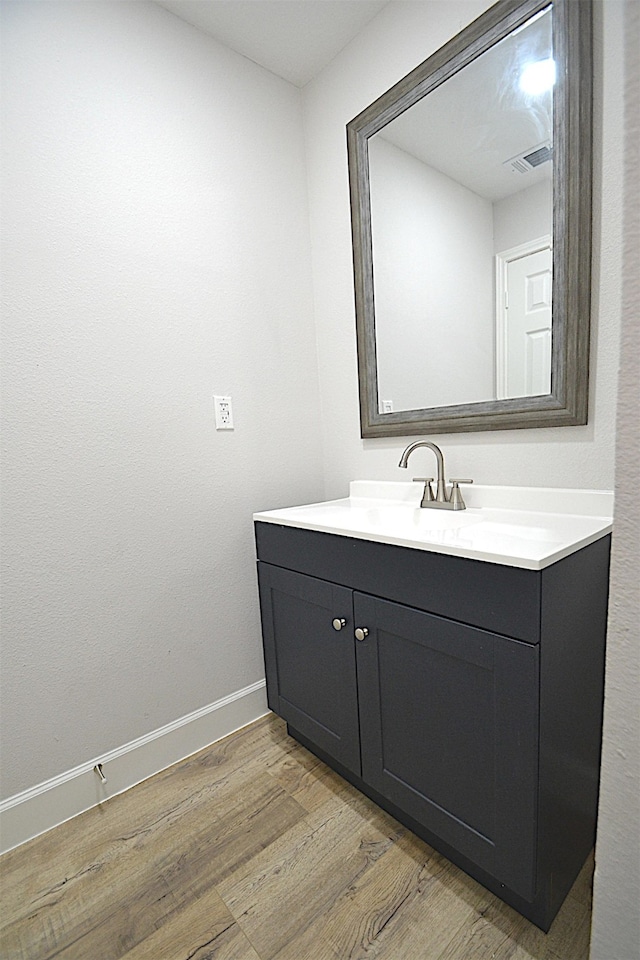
339,623
362,633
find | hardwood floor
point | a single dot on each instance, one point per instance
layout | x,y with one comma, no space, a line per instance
254,850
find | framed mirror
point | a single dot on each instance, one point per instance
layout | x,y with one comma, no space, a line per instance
470,189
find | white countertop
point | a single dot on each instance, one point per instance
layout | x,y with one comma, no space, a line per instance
529,527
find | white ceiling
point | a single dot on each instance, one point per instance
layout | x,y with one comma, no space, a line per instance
294,39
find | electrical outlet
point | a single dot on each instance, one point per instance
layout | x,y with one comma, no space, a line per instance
387,406
224,413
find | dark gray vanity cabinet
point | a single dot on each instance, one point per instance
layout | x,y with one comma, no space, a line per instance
484,742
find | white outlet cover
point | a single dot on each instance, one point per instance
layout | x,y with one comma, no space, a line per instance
224,413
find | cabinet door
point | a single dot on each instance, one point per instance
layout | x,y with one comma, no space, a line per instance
310,666
449,732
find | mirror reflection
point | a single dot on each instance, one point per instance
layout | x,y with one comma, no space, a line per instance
461,223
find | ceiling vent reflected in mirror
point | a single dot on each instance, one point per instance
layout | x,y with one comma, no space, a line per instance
531,158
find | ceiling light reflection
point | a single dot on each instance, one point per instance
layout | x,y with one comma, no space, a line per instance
538,77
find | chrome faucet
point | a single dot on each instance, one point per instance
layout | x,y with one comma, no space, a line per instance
442,500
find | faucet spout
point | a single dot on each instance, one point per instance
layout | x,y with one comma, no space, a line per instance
441,490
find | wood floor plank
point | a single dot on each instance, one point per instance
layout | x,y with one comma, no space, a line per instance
205,929
116,901
478,939
407,905
503,934
312,784
100,905
280,892
156,804
255,818
298,771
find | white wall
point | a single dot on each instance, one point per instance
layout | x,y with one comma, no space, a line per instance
616,908
433,275
526,215
156,253
399,38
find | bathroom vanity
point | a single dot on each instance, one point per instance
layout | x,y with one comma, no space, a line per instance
451,667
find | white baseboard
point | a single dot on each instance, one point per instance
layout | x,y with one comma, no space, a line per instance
48,804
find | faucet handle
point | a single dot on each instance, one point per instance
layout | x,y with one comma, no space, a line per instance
428,491
456,497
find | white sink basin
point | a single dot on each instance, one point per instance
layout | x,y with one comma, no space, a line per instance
382,516
528,527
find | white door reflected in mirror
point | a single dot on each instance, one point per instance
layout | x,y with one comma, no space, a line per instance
523,320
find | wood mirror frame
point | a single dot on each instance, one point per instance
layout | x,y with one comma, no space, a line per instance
567,404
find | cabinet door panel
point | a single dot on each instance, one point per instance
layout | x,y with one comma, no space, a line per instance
449,730
311,668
